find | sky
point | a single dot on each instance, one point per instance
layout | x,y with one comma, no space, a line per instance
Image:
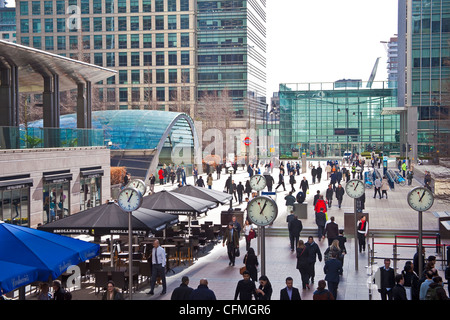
327,40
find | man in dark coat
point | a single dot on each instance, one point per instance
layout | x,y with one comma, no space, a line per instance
333,271
399,291
313,252
231,239
281,181
202,292
319,173
183,292
321,220
339,192
329,195
289,292
269,181
331,231
295,227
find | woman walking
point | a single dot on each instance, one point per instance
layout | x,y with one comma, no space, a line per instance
303,263
251,263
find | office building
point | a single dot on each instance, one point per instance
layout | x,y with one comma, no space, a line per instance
7,23
327,119
424,72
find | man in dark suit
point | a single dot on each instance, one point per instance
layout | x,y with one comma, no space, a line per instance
387,280
295,227
183,291
333,270
399,291
289,292
231,239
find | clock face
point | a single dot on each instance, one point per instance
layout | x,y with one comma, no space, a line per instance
262,211
130,199
420,199
355,188
258,182
138,184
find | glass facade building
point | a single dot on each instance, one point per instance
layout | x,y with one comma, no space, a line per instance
232,53
424,81
329,118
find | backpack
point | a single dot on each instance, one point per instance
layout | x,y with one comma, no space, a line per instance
431,294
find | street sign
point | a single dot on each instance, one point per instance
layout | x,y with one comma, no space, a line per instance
248,141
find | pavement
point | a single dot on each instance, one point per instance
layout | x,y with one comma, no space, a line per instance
392,213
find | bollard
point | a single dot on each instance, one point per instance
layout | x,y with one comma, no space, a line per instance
438,243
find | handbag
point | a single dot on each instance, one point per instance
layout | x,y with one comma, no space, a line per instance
237,253
242,269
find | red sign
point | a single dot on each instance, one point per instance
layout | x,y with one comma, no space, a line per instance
247,141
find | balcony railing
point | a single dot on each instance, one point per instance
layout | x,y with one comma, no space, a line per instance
29,138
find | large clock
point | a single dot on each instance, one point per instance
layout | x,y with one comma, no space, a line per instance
355,188
262,211
258,182
420,199
130,199
138,184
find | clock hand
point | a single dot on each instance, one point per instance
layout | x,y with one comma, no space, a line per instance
264,206
129,198
259,180
420,200
356,186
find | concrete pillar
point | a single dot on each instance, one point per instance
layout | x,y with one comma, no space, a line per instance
9,107
51,106
84,105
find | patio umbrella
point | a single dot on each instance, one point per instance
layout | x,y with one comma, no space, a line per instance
110,219
13,275
177,203
205,194
50,254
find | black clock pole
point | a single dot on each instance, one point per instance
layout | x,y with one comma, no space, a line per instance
130,255
263,250
420,254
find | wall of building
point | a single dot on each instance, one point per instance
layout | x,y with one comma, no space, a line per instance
35,162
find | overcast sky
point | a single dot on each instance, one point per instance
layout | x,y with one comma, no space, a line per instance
327,40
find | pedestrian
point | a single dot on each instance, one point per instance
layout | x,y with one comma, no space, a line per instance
404,168
303,263
410,176
333,271
321,220
329,195
44,292
387,280
249,234
333,248
280,181
236,225
234,190
218,170
295,227
377,186
290,200
161,176
183,292
316,197
292,181
339,193
264,291
304,186
200,182
240,191
320,205
314,254
209,181
245,288
231,239
158,267
313,174
342,240
195,174
411,281
319,173
331,230
251,263
172,176
202,292
112,293
269,181
333,180
399,292
322,293
290,292
248,188
436,290
152,181
384,187
362,229
425,284
328,170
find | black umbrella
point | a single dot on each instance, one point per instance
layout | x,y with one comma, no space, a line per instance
110,219
205,194
177,203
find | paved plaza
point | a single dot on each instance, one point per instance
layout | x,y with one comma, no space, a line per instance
392,213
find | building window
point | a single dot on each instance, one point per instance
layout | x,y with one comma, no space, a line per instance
123,59
172,58
123,41
109,6
160,40
98,42
122,22
147,58
160,76
184,21
159,5
171,5
48,7
184,40
110,59
56,195
122,6
173,76
135,76
135,61
147,23
147,5
98,25
36,25
134,6
60,25
159,22
123,95
185,58
49,45
36,8
14,203
91,191
160,94
171,22
24,8
123,77
24,26
134,41
147,40
134,23
61,43
172,40
160,58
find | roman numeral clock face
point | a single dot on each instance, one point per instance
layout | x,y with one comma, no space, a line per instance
420,199
262,211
